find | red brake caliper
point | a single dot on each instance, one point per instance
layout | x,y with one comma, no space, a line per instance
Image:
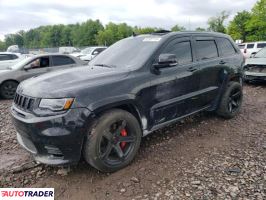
124,134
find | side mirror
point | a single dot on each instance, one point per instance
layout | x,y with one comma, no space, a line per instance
166,60
27,67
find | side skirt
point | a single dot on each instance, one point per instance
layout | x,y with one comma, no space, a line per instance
154,128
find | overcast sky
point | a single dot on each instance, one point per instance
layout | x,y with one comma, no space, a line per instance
18,15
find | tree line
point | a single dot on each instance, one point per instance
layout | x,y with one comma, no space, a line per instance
247,26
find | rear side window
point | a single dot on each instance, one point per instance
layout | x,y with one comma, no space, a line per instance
261,45
206,49
250,46
62,60
182,50
225,46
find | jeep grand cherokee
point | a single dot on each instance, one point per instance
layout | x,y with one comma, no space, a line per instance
136,86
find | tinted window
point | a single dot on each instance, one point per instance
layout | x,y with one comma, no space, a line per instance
62,60
250,46
226,47
182,50
241,46
4,57
206,49
261,45
8,57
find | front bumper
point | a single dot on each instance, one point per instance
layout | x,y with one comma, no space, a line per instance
52,140
254,76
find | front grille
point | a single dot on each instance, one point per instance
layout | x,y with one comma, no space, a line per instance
24,102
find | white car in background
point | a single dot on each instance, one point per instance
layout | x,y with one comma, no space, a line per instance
89,53
68,50
251,48
8,59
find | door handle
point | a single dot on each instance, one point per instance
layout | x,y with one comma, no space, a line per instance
222,62
192,69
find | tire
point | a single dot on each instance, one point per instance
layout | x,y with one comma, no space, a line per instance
8,89
231,101
105,147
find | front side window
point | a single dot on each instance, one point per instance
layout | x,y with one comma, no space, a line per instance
182,50
62,60
40,63
226,47
206,49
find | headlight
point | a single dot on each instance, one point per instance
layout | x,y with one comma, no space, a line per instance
56,104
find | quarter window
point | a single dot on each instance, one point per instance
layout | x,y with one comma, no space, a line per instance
182,50
226,47
62,60
206,49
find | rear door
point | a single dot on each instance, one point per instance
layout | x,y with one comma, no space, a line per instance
61,62
210,66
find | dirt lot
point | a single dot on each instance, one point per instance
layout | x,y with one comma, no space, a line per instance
202,157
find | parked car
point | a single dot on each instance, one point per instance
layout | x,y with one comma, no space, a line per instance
136,86
10,77
8,59
89,53
251,48
255,67
68,50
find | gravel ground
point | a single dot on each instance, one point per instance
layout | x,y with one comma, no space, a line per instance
201,157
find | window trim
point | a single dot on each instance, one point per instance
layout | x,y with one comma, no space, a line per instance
207,38
220,50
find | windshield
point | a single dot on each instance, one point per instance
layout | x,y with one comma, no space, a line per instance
21,63
130,53
261,54
87,50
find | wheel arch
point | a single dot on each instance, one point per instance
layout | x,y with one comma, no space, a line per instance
128,105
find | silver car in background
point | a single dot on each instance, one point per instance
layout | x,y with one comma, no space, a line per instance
11,76
255,67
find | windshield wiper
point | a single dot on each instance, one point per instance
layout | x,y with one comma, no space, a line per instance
104,65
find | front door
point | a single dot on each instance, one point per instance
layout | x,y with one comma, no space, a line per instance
174,90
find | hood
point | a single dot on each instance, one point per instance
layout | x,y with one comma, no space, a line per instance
68,83
256,61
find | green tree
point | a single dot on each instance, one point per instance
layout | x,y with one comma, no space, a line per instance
2,45
113,32
178,28
217,23
200,29
238,26
257,23
145,30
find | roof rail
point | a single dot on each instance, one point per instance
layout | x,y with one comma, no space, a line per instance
161,32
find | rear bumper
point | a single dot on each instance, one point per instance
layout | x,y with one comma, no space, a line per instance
52,140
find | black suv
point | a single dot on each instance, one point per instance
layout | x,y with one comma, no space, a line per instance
136,86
